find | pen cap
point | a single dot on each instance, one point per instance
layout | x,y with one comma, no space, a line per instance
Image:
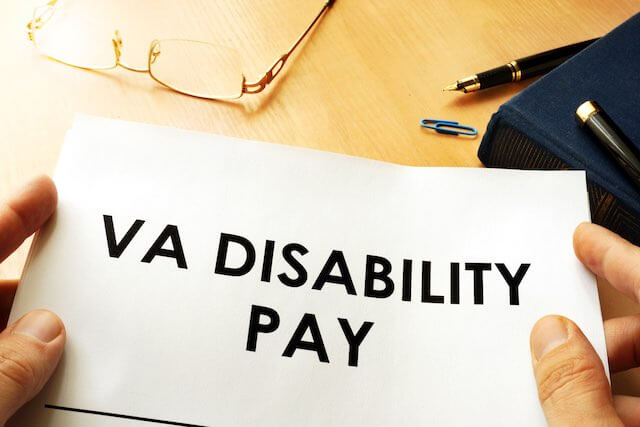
611,137
586,110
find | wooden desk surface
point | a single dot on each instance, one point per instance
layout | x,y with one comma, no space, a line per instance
359,84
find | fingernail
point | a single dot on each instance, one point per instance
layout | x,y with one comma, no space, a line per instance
547,334
41,325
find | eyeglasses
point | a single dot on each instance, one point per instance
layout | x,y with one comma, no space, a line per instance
190,67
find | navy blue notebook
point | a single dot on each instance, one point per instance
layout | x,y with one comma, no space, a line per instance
537,129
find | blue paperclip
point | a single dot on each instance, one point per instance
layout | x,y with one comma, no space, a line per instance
448,127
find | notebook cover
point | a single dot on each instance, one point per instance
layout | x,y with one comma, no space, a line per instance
537,128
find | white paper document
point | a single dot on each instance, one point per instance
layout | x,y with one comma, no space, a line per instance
207,280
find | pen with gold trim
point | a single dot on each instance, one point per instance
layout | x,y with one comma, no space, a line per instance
519,69
612,138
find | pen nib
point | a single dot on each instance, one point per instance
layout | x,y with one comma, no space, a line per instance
453,86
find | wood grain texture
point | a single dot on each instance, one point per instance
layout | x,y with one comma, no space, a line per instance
358,85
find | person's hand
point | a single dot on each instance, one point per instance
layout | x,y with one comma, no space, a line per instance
31,347
572,385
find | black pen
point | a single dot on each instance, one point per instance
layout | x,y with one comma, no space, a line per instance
519,69
612,138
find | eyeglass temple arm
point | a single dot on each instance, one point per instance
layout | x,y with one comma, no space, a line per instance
37,22
277,66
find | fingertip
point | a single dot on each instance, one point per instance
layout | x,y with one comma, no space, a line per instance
30,350
569,374
548,333
45,190
589,244
51,186
35,202
42,325
582,233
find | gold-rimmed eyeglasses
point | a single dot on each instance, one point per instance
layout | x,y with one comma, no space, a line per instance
190,67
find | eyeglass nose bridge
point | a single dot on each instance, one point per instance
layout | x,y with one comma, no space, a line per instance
117,48
154,52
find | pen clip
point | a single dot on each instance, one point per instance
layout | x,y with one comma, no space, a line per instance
448,127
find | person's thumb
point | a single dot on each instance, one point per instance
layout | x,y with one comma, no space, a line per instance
572,385
29,352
